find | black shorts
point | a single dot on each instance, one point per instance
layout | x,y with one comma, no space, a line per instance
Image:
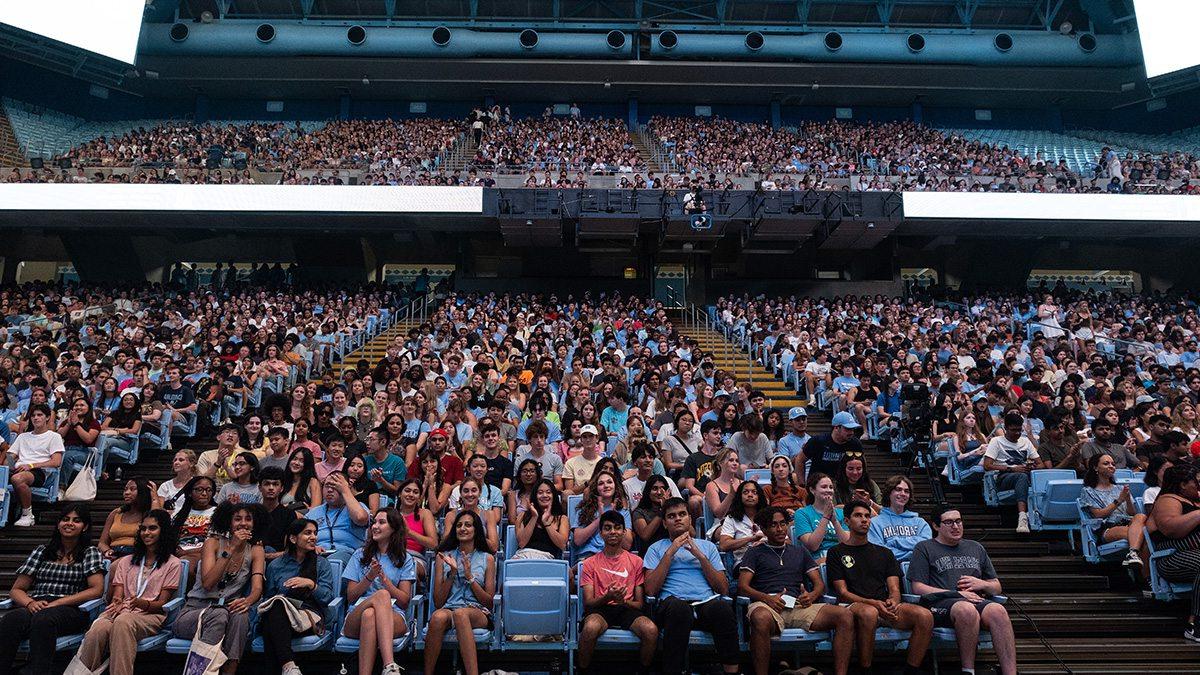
617,617
941,610
39,477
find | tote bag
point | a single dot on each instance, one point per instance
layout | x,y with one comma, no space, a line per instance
203,658
83,488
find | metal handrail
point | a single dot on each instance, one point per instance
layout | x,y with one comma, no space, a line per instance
347,344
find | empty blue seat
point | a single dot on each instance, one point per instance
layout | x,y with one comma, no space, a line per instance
1052,497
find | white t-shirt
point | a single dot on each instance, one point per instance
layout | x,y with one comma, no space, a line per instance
31,448
634,487
168,491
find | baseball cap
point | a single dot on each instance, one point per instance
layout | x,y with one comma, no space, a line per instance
845,419
589,429
797,413
1144,398
439,432
1018,368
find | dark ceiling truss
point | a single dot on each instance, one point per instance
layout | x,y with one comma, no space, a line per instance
867,14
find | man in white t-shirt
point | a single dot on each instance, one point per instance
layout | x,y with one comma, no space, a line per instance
1014,457
818,374
643,460
578,470
33,453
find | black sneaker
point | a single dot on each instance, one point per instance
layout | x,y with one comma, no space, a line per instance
1191,634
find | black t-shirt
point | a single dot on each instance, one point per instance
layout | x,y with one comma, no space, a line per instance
701,466
499,468
865,569
177,398
826,456
278,522
355,449
776,570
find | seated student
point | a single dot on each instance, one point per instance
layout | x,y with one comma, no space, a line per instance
54,581
278,449
380,576
194,511
955,578
491,498
464,582
470,491
578,470
361,485
36,450
820,525
335,458
302,577
604,493
385,469
119,536
1108,502
1137,527
897,528
279,517
647,515
341,519
1014,456
613,595
867,576
784,586
141,583
689,579
542,530
243,485
783,490
551,463
739,529
853,482
643,462
230,583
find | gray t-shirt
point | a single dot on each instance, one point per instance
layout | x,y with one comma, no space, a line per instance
552,464
271,460
752,454
941,566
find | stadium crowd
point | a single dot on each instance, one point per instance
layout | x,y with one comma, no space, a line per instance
563,151
584,427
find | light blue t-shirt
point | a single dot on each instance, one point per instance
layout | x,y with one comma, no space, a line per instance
791,445
355,571
335,528
685,578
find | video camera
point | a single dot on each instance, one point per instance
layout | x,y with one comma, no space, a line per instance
916,411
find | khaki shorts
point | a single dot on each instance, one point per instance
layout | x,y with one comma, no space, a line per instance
796,617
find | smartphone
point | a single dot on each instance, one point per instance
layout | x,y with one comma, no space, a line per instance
788,601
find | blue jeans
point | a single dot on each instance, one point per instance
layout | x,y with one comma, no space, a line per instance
73,460
1014,481
123,443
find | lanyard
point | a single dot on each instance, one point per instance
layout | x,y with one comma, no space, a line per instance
141,585
329,523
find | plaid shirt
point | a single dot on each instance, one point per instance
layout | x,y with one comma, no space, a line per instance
52,580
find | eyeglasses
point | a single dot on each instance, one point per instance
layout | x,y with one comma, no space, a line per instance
954,522
202,489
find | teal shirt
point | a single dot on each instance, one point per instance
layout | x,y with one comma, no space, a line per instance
805,521
392,466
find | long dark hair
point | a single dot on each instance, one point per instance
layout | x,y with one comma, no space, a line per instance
535,510
737,510
308,566
842,484
306,474
122,416
518,487
141,503
397,549
1091,478
252,461
644,502
450,541
185,509
55,543
168,539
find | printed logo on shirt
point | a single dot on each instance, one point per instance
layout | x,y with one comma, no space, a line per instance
848,561
619,573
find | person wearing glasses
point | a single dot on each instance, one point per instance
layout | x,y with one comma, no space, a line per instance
784,586
956,581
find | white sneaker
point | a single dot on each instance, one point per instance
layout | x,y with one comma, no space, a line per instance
1023,523
292,670
1132,558
25,521
389,669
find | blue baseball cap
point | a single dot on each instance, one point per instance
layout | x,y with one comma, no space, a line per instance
845,419
797,412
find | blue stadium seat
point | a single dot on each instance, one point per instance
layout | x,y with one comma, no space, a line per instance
1052,497
1164,590
538,601
1094,550
5,495
333,622
68,643
992,495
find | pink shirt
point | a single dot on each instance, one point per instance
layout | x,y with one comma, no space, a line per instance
602,572
154,578
324,469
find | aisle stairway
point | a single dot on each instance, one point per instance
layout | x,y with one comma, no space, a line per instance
1092,615
10,148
